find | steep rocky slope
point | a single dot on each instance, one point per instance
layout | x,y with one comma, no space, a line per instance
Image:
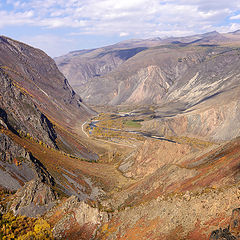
38,110
80,66
20,116
143,70
37,77
34,198
38,74
74,219
159,75
19,112
17,165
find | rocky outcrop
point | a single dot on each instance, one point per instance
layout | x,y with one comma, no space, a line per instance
20,114
10,150
75,219
34,198
18,166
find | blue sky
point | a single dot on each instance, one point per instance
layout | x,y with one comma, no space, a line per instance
60,26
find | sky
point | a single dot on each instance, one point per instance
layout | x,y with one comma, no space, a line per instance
60,26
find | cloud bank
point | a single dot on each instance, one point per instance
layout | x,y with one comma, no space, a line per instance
135,17
132,18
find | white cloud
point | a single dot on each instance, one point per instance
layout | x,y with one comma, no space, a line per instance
231,27
123,34
236,17
135,18
16,19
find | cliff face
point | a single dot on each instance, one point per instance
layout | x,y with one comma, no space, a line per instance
38,74
20,113
21,117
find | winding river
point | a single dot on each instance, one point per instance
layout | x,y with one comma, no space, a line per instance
93,125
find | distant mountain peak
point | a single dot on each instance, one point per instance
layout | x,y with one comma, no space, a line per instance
213,33
236,32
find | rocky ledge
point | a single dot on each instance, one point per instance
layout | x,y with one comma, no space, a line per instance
34,198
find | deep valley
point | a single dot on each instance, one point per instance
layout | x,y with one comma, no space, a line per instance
149,149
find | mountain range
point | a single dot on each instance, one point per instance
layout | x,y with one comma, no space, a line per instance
136,71
184,79
149,149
